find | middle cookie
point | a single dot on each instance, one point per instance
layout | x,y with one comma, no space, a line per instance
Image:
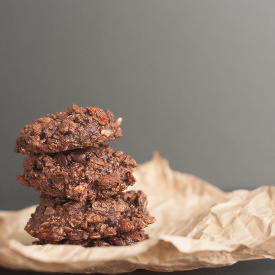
81,174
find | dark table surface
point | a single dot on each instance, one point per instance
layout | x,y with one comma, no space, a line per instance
263,267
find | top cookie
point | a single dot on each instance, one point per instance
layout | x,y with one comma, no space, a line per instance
76,127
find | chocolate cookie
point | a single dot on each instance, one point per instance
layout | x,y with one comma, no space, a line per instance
58,219
124,239
76,127
81,174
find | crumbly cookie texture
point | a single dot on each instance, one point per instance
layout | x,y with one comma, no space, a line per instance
123,239
81,174
81,181
58,219
76,127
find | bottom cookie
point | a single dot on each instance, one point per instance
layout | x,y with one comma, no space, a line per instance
58,219
124,239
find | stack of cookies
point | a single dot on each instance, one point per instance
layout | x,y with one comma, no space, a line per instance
81,180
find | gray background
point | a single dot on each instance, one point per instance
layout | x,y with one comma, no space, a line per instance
193,80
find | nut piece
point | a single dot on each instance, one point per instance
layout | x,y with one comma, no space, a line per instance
108,181
98,114
44,119
22,181
125,226
80,188
119,121
107,132
95,218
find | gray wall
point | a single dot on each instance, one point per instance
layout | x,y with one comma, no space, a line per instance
193,80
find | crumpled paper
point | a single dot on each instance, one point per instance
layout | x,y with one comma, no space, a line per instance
198,225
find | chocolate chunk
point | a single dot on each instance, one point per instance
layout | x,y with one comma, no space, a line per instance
61,160
78,155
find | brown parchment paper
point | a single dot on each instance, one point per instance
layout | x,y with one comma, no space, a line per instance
197,226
